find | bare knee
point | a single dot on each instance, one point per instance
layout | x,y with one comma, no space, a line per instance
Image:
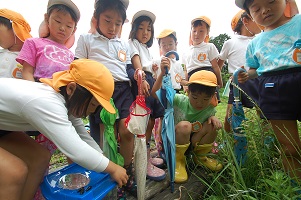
183,132
16,175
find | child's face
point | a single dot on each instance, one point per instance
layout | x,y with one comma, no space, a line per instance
7,37
198,34
61,26
199,101
268,13
144,32
167,44
110,23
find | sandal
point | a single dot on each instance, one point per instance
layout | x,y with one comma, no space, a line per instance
155,173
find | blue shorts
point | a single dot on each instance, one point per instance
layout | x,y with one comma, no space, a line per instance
280,94
250,88
157,109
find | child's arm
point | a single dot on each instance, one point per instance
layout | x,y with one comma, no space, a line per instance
158,83
137,65
217,72
27,72
220,63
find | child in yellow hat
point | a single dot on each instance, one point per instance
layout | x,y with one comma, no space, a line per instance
55,109
201,55
195,123
234,51
14,31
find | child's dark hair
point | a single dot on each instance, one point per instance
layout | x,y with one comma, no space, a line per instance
135,27
61,7
240,23
170,35
246,5
200,23
198,88
103,5
6,22
78,103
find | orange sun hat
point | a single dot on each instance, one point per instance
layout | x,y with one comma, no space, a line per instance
203,77
20,26
90,74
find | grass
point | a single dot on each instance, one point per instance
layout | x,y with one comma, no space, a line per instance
261,176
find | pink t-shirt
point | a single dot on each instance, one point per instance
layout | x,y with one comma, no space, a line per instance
46,56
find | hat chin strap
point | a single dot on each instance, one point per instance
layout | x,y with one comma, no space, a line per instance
248,30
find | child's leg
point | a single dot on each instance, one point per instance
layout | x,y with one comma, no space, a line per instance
227,125
28,161
287,134
126,143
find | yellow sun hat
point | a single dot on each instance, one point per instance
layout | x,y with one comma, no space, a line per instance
203,77
92,75
166,32
20,26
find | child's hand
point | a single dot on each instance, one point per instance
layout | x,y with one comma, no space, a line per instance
165,62
155,67
117,173
243,77
136,74
215,122
145,88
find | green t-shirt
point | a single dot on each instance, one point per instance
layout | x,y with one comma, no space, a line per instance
183,111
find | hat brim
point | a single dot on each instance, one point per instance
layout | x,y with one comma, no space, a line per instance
203,83
67,3
240,3
166,33
103,102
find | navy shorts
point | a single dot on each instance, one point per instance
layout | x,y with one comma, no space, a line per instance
157,109
123,99
208,69
280,94
250,88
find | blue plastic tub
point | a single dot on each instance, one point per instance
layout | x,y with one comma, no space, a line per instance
86,184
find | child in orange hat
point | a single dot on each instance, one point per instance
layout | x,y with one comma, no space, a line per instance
201,54
14,30
234,51
54,108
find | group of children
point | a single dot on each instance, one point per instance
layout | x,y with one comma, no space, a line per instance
197,74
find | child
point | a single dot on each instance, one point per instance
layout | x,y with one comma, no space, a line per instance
273,57
105,46
41,57
54,108
14,30
195,123
202,55
167,40
140,39
234,51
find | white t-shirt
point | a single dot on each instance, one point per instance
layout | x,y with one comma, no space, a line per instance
176,72
142,51
32,106
9,67
234,50
113,53
199,56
